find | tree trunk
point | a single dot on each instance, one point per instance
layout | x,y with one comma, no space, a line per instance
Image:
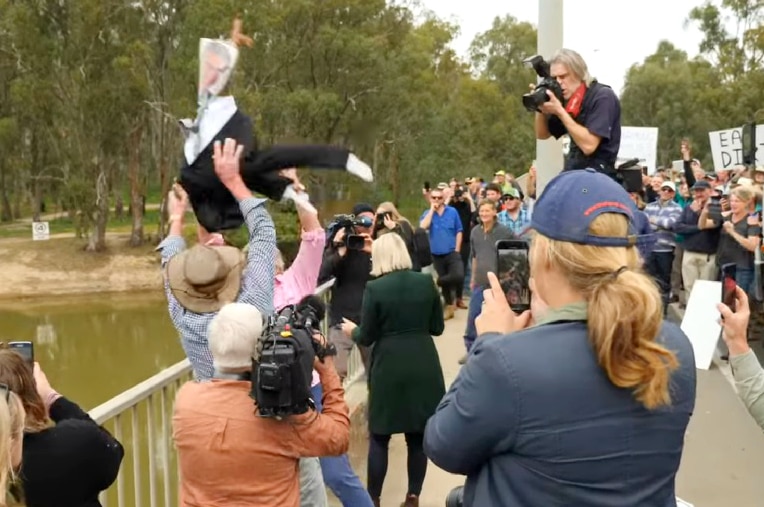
136,192
6,213
119,206
97,239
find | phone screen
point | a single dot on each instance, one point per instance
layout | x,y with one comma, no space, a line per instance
24,349
513,273
729,285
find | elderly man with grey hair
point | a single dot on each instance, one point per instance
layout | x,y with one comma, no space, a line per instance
588,111
229,455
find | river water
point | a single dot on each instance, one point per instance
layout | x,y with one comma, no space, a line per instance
92,348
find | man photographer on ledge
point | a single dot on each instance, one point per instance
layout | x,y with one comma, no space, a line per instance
589,112
228,454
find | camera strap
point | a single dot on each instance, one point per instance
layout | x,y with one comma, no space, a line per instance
245,376
573,107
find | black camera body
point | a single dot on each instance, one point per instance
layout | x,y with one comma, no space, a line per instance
283,367
534,100
352,240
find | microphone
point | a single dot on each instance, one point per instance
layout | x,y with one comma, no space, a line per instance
313,309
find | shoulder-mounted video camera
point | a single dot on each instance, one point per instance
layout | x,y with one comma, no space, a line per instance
283,367
534,100
351,240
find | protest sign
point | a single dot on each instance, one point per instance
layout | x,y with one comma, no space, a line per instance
727,147
641,143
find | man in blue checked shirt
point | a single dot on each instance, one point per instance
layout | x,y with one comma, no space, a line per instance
515,216
200,280
663,213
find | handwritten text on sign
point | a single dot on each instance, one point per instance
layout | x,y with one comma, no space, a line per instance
641,143
727,147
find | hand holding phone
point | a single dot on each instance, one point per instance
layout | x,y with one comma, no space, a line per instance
513,272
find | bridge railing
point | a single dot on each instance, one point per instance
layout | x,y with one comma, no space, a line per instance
141,418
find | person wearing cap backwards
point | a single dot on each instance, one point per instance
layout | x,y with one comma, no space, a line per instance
596,388
663,214
351,270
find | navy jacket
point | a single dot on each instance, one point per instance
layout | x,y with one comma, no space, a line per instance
533,420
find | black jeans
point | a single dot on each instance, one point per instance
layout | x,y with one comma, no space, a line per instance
377,466
465,254
450,271
659,265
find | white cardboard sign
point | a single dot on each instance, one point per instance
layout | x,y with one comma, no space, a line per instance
641,143
727,147
701,321
40,231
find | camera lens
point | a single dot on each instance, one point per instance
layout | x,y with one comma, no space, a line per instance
455,497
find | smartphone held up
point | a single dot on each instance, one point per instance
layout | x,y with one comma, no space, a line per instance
25,349
729,285
513,271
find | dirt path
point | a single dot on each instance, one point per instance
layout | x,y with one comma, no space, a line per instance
60,266
47,217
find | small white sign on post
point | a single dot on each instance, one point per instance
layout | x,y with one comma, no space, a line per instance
641,143
40,231
727,147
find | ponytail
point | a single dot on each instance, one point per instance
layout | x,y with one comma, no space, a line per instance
624,338
625,312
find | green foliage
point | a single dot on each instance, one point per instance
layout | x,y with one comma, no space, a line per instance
720,89
90,93
97,85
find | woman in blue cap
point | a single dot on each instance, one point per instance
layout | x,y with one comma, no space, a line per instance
589,405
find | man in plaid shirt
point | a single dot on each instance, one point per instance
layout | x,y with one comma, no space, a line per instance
194,292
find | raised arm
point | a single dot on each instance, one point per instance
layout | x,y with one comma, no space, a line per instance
302,276
173,244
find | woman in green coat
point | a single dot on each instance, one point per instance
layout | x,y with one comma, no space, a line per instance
400,315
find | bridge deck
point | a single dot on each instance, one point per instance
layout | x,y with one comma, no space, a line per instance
721,467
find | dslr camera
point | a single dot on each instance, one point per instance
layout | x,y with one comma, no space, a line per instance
534,100
352,240
282,368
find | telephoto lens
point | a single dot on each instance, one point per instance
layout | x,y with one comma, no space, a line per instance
456,497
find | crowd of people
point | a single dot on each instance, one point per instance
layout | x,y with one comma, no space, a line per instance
586,404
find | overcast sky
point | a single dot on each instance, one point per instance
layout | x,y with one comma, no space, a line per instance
591,27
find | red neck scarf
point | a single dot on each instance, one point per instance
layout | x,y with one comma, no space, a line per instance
573,107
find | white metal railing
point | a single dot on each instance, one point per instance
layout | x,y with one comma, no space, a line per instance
141,418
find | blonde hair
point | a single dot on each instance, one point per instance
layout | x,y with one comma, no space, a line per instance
625,312
11,435
744,193
388,254
389,207
575,64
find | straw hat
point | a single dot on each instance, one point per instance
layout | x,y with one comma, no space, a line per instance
204,278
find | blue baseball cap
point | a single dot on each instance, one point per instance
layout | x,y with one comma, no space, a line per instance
573,199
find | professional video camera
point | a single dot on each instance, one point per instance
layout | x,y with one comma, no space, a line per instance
283,367
352,240
533,100
629,175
